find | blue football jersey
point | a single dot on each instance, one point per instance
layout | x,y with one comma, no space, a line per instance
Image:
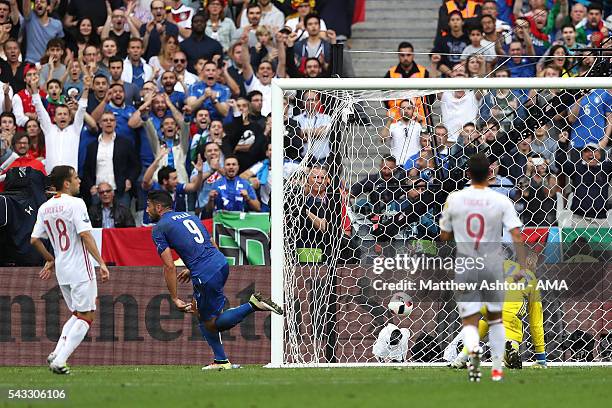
187,236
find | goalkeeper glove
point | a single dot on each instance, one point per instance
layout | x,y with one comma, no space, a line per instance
540,360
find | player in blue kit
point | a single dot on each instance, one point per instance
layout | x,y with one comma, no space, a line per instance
207,268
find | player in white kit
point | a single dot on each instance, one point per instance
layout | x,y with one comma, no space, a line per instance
65,222
474,217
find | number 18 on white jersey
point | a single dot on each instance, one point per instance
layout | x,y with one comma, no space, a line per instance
61,220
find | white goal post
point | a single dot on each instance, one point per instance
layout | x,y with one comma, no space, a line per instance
286,344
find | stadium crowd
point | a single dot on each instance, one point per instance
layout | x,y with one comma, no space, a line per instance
175,95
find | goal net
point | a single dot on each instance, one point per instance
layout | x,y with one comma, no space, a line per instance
367,165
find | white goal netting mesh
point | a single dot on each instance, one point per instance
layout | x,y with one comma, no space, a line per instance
366,176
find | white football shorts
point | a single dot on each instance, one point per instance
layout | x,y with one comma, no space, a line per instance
80,297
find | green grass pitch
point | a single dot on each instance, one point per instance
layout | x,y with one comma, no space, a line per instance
256,387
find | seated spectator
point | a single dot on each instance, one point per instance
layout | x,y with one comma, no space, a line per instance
135,69
590,180
297,24
258,82
199,45
315,127
479,46
231,192
164,61
539,191
8,128
209,94
53,67
152,32
39,28
61,138
404,133
448,48
467,9
108,212
245,138
36,139
23,107
115,24
557,61
459,107
219,27
591,118
113,160
12,70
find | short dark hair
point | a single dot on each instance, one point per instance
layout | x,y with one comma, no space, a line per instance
389,158
56,43
135,39
160,197
100,75
54,81
475,28
478,167
405,44
59,175
164,173
595,6
251,94
19,135
231,156
116,84
311,15
457,12
8,115
568,25
115,58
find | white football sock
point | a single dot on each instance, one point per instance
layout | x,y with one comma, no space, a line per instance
497,341
75,337
470,337
65,331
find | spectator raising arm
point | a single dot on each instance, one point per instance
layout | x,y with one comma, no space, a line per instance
247,68
147,178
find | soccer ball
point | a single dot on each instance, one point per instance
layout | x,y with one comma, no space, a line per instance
401,304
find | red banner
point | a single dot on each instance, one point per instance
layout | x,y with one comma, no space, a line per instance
133,246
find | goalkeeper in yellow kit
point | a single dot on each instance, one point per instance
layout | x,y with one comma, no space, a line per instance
517,304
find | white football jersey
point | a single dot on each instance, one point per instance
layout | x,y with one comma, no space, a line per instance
477,217
61,220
